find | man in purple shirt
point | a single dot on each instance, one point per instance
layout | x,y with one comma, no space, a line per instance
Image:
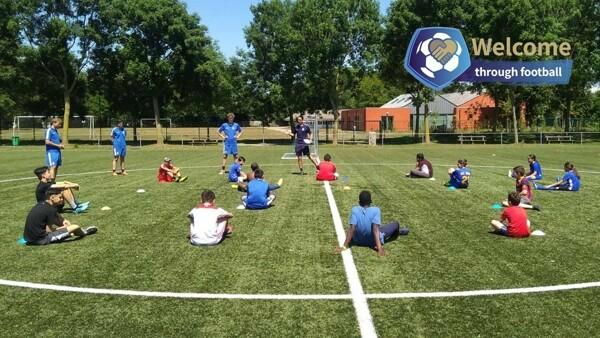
303,139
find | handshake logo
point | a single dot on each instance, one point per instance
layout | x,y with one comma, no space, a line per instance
437,56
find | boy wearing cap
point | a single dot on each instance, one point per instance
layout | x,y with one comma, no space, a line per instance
167,172
45,226
365,228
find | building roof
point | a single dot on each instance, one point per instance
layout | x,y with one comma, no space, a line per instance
456,99
401,101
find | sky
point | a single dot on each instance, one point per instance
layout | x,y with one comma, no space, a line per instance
226,20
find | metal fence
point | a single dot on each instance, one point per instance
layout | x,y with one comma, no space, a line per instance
254,132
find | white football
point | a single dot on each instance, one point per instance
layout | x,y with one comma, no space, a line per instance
307,141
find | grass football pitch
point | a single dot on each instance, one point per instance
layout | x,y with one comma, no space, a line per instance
289,249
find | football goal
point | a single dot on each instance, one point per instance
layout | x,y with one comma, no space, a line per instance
315,124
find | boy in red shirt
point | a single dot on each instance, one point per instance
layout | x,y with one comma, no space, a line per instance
513,221
167,172
523,189
326,170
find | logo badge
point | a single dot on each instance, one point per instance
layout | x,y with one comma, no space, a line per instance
436,56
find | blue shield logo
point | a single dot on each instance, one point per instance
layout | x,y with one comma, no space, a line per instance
436,56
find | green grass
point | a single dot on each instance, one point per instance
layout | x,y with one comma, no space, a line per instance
289,249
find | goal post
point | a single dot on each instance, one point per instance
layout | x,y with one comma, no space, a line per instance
38,124
314,123
22,124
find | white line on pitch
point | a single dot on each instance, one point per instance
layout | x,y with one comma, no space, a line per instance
188,295
473,293
400,295
361,307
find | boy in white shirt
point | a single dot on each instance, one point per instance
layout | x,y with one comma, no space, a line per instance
209,223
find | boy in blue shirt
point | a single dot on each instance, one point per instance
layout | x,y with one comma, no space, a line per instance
459,176
235,171
535,169
229,132
569,182
259,194
53,146
118,135
365,229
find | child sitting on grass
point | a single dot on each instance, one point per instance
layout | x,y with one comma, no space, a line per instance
535,169
209,224
523,188
259,194
167,172
236,174
243,186
569,182
366,229
326,170
513,220
459,176
67,190
423,169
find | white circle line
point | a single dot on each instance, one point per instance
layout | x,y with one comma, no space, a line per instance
285,164
402,295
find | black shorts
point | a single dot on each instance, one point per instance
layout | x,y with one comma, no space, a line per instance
302,149
56,236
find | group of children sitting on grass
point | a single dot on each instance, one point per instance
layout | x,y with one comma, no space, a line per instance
210,224
513,220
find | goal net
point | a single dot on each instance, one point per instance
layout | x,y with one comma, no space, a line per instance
34,127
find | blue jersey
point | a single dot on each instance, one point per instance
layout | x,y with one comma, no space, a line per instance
571,181
234,171
301,131
230,131
119,135
258,192
52,135
460,177
363,219
535,166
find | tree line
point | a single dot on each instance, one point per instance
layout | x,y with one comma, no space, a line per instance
130,59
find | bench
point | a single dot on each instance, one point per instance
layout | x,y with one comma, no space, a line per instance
204,141
559,138
471,138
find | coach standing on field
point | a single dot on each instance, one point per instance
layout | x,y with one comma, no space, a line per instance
229,132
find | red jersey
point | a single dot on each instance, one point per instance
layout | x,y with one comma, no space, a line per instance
326,171
517,221
163,175
523,185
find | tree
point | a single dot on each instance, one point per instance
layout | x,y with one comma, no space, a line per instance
276,59
346,34
9,53
158,47
61,35
403,18
371,91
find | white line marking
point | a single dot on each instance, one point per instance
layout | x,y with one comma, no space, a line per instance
193,295
283,165
473,293
361,307
400,295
